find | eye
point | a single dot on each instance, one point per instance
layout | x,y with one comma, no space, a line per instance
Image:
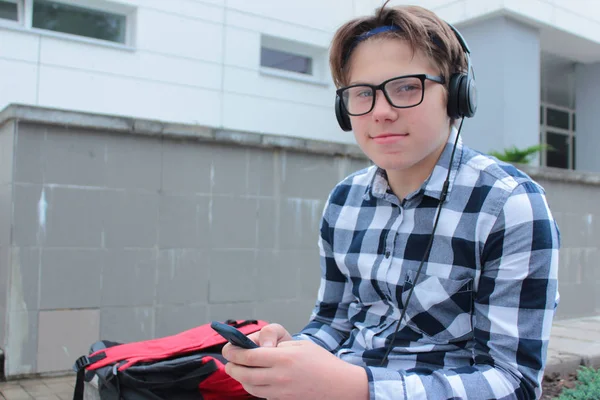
407,88
364,93
404,86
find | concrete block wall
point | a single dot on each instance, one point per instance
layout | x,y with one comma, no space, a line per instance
115,235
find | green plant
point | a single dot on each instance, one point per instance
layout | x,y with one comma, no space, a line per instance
522,156
587,387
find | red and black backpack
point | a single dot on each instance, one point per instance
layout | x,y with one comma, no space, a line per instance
184,366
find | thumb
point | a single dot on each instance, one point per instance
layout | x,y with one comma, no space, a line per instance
272,334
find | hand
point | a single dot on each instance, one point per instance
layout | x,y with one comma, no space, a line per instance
295,370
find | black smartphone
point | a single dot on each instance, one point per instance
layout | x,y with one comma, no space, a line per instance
233,335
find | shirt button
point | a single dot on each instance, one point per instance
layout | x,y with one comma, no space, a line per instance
387,254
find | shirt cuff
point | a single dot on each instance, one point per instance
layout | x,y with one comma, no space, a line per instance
386,384
317,341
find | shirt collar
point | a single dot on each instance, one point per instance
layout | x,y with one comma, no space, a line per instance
432,186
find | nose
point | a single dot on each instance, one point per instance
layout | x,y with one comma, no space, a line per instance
383,110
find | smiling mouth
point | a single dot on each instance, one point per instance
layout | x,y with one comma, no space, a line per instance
388,138
387,135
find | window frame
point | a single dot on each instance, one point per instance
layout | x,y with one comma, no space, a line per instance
570,133
315,53
19,21
25,21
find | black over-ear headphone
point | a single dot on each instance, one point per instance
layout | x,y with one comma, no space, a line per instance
462,92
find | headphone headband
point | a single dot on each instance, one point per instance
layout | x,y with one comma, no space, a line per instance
461,39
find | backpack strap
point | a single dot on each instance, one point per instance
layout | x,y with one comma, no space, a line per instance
79,367
239,324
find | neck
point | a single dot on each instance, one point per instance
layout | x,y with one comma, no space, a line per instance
404,182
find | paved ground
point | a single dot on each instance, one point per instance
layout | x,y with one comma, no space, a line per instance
38,389
573,343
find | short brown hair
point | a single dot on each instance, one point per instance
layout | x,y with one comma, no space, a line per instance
421,28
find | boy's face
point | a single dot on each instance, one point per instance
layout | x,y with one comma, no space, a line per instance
407,140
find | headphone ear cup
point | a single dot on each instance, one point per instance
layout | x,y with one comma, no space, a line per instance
454,87
463,97
468,100
342,116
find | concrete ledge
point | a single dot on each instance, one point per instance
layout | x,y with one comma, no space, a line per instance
561,364
573,343
561,175
139,126
65,118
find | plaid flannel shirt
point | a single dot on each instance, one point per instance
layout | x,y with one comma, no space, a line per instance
479,320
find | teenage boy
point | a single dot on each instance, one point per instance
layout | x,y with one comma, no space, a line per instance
407,308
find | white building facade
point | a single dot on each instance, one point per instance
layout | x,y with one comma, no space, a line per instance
261,66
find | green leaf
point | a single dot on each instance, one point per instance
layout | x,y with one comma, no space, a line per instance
587,387
522,156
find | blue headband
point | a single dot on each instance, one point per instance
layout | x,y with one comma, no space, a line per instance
368,34
375,31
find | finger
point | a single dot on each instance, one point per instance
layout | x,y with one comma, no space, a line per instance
248,376
259,357
293,343
272,334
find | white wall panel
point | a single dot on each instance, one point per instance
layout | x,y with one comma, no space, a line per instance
588,27
17,45
202,10
253,83
179,36
89,91
137,65
18,80
277,28
242,48
277,117
540,11
315,14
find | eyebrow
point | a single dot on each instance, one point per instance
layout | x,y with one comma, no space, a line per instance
393,77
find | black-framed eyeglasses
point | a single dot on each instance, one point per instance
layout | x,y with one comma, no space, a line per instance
401,92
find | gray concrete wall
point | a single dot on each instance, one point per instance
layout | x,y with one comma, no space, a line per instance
574,199
6,166
587,86
127,229
506,59
122,231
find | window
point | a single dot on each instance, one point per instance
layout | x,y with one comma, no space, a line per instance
92,19
9,10
289,59
558,132
66,18
273,58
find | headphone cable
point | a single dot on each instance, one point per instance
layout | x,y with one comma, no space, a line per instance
428,248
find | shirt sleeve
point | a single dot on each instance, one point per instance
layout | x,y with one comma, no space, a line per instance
329,326
514,305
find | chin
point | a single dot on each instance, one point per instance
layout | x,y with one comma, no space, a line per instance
393,164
